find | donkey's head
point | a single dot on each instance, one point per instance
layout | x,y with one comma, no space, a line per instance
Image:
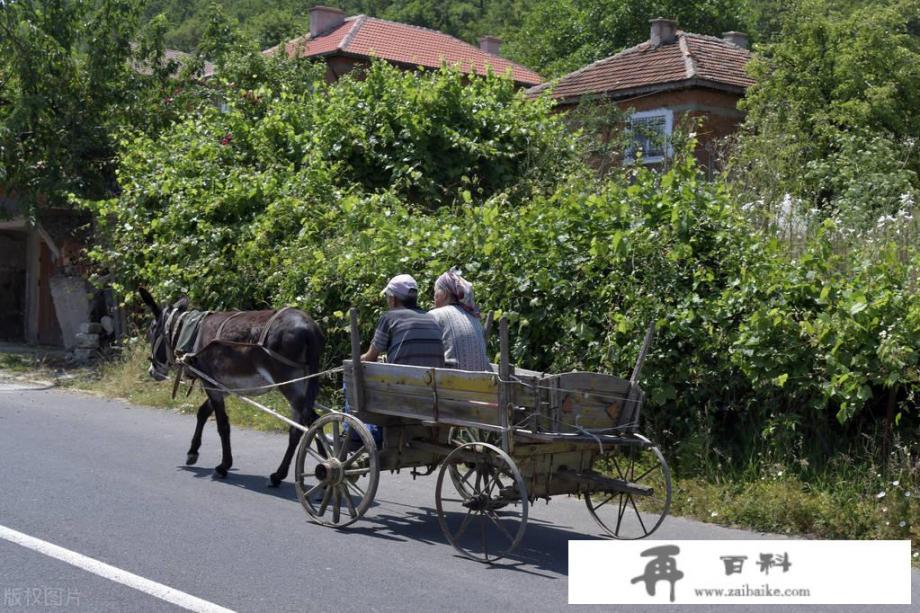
158,334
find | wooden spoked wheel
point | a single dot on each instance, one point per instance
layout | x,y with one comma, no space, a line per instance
637,509
485,517
460,435
336,484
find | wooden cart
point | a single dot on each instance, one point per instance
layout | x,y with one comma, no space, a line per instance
499,440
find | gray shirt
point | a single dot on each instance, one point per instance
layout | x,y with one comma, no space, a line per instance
464,343
409,336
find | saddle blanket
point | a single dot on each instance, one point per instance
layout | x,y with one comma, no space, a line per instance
188,331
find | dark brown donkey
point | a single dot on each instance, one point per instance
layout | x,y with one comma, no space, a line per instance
241,350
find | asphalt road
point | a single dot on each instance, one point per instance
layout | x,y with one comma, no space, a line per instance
107,480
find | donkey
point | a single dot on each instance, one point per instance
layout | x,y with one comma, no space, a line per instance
241,349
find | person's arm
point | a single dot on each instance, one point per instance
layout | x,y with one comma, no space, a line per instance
379,342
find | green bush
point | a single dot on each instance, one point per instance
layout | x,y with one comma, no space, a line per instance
315,199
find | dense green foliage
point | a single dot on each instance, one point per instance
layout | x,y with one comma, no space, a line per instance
558,36
269,22
316,198
72,76
834,116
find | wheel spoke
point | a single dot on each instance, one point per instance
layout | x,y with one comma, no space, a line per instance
336,505
354,456
465,479
638,515
318,457
464,524
620,513
321,437
336,442
313,489
325,502
494,519
643,475
355,485
617,466
609,498
357,471
351,505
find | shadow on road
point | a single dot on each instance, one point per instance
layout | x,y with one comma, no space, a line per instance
544,546
252,483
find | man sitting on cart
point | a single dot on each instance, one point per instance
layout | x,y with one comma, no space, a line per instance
405,333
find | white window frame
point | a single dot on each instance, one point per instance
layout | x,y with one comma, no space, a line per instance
668,115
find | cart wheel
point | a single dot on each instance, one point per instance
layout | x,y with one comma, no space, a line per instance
484,518
460,435
336,490
632,515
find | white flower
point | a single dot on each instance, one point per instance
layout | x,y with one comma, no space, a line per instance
896,483
714,514
880,495
902,523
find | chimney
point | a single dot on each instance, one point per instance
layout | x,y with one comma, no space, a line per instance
664,31
491,44
324,18
739,39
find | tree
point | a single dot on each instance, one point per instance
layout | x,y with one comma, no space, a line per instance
558,36
72,75
834,115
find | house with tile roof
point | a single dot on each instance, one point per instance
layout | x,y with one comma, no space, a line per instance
347,42
671,77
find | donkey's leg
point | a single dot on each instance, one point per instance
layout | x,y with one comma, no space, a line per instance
204,411
223,428
301,402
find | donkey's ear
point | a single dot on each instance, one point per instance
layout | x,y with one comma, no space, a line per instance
181,304
150,302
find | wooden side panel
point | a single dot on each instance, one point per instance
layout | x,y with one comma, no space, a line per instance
428,394
592,401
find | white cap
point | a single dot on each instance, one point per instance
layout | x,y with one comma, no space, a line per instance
400,286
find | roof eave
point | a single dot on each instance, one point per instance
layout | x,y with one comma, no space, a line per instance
656,88
409,65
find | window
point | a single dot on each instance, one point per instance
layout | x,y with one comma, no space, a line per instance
651,135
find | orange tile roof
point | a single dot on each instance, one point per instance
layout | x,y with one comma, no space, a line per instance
364,36
691,58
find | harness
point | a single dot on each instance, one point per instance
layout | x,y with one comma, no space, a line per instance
172,327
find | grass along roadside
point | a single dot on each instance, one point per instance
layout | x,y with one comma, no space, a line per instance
849,500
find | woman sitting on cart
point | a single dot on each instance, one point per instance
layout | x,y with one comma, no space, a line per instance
457,314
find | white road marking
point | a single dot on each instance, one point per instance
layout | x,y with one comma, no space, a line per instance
106,571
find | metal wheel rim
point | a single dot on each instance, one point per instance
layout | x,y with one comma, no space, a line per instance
491,457
458,436
343,498
626,504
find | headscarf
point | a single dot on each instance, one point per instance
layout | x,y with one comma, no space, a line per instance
460,289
